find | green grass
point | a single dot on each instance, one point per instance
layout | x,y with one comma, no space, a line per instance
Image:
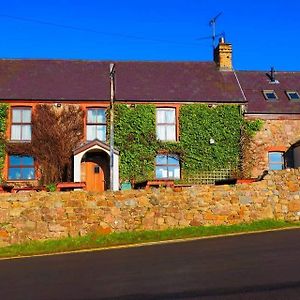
127,238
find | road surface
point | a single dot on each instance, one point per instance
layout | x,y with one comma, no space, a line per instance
259,266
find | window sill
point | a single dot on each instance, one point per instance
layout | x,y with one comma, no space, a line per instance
19,180
19,141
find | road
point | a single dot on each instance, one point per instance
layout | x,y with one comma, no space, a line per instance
259,266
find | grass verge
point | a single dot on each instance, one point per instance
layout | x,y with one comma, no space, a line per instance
126,238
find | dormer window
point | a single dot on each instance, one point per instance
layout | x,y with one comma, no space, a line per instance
270,95
293,95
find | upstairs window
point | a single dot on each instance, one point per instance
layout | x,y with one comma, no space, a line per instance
96,124
270,95
293,95
166,124
167,167
20,167
276,160
21,124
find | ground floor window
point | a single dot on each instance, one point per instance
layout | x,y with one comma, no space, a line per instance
276,160
167,167
20,167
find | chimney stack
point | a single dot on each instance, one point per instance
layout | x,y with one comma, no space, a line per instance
223,55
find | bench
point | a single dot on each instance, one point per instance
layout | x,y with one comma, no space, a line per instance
159,183
28,189
70,186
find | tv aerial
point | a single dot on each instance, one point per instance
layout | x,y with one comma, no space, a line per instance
212,24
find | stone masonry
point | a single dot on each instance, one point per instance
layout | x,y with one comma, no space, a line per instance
276,135
42,215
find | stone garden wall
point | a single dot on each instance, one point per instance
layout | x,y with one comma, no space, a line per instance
42,215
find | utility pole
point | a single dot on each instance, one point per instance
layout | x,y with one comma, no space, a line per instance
111,135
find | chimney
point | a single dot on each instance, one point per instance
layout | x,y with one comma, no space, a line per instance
223,55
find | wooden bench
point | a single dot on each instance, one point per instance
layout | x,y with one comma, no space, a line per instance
67,186
28,189
159,183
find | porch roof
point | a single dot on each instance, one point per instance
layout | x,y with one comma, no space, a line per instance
88,145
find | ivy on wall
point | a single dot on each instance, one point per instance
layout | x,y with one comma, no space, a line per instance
55,133
211,136
3,123
135,138
210,139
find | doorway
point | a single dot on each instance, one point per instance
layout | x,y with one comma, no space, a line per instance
95,170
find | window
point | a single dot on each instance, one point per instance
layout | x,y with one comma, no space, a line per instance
276,160
96,124
167,167
270,95
293,95
166,124
21,124
20,167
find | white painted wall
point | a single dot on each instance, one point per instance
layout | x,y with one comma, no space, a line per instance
77,166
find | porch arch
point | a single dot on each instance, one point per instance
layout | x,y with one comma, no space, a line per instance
94,147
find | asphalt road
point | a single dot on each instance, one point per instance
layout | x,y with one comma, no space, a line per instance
260,266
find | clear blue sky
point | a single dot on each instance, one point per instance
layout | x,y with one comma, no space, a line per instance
263,33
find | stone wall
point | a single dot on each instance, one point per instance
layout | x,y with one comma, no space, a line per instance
42,215
276,135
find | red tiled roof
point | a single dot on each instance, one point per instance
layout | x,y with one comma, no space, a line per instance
136,81
254,83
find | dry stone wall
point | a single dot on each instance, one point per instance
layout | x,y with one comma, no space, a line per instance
42,215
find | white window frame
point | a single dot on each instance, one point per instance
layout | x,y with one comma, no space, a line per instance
95,125
166,167
288,93
19,127
163,126
280,163
266,92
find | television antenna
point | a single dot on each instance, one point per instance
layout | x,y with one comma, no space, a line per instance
212,23
212,37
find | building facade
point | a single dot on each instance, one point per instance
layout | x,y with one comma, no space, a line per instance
26,84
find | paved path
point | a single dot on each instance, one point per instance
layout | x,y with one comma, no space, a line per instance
260,266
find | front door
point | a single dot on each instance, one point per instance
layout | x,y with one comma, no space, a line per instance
94,177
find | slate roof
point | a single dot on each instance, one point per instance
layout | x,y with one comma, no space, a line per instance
175,81
254,82
136,81
54,79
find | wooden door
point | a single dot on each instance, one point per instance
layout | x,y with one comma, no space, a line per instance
94,177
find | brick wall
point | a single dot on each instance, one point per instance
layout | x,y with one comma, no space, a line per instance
37,216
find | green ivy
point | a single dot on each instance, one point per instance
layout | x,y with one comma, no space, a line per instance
135,137
199,124
3,123
253,126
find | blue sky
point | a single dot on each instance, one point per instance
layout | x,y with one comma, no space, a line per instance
263,33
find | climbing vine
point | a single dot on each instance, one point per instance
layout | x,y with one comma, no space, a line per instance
210,139
135,138
55,133
3,123
211,136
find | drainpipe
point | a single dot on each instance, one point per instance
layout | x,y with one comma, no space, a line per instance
111,135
